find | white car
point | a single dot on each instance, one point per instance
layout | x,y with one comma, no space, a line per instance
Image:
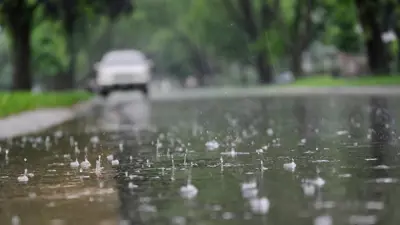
123,70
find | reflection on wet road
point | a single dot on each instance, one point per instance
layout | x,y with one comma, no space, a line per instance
309,160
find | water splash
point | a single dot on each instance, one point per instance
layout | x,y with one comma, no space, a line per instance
212,145
290,166
85,164
189,191
24,177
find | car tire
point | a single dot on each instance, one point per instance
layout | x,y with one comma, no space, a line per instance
104,93
145,90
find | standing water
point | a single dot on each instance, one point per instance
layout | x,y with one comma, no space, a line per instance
320,160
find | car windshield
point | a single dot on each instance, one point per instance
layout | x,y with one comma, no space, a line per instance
123,57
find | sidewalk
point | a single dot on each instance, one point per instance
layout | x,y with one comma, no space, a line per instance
40,119
275,91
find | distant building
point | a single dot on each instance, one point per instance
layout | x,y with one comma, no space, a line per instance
320,59
352,65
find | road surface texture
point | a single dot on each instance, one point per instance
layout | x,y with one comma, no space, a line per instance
252,158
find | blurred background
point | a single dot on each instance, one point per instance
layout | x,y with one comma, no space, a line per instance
52,45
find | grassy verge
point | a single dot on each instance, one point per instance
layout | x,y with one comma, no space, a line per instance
16,102
324,81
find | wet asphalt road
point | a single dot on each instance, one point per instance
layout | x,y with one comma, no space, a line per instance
236,152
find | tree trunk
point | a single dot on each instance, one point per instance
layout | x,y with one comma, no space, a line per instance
255,24
243,76
296,61
21,47
302,33
70,74
378,57
199,63
201,81
397,57
264,69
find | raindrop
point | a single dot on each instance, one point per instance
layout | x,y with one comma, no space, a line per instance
259,205
385,167
212,145
173,162
32,195
184,160
57,222
74,164
71,141
319,181
162,171
259,151
228,216
15,220
246,186
148,164
23,178
342,132
99,168
363,219
6,156
110,157
95,140
115,162
85,164
58,134
262,166
308,189
131,185
179,220
189,191
221,160
374,205
290,166
323,220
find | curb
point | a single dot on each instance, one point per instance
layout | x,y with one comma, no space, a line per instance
41,119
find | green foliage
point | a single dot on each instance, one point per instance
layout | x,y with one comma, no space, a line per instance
49,53
179,35
343,26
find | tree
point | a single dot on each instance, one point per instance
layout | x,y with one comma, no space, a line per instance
370,12
222,38
113,9
302,31
69,12
342,24
254,18
17,18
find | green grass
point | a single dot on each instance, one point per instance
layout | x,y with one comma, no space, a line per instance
16,102
323,81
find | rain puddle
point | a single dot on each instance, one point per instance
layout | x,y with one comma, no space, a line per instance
280,161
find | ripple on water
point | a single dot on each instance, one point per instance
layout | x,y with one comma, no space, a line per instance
224,151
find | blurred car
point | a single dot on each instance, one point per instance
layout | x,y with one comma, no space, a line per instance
123,70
